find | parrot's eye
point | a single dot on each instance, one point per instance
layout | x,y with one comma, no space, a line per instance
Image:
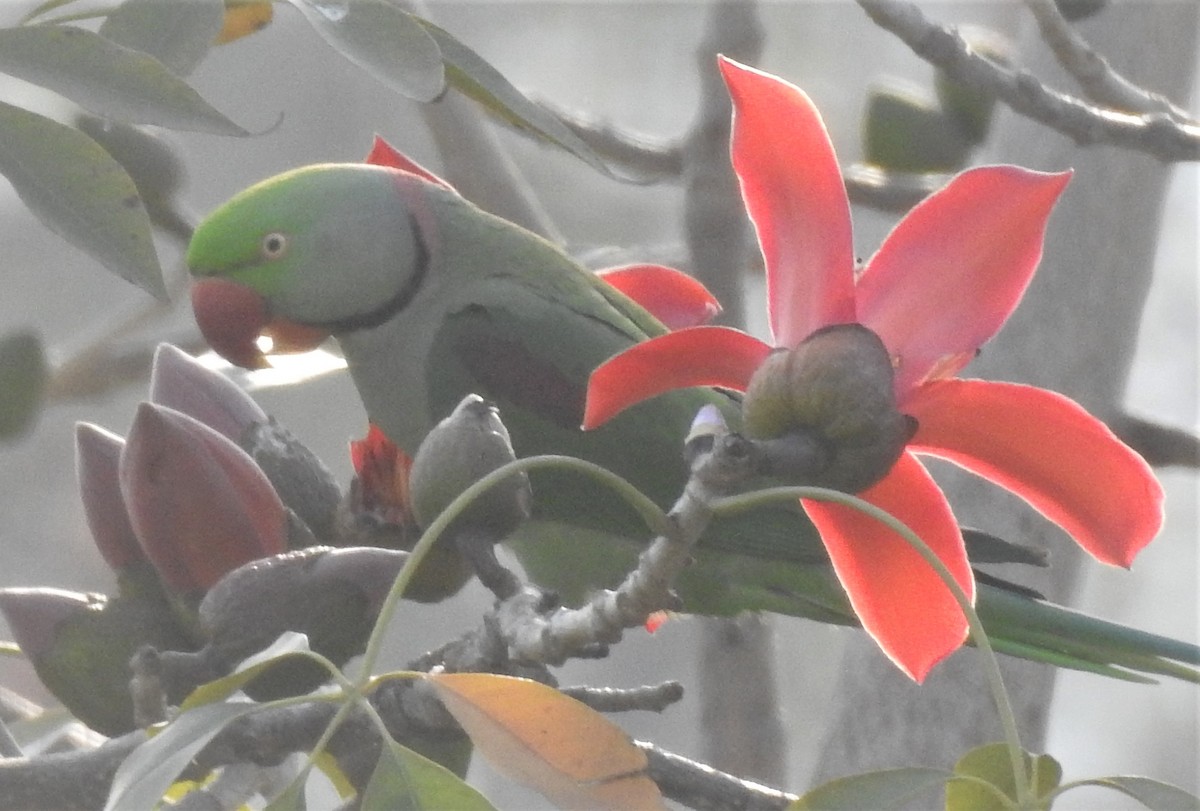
274,245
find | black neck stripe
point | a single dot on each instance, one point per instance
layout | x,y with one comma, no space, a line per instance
391,307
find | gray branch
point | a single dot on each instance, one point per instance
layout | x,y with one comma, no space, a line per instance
1099,81
1156,133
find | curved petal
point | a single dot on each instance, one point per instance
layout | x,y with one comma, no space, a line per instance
700,356
953,270
673,297
898,597
793,189
1049,451
384,154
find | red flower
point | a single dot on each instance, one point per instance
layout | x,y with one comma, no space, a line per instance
943,282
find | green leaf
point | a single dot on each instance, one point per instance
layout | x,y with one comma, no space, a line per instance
152,164
475,78
43,8
404,779
144,776
177,34
990,764
76,188
23,375
107,78
905,132
383,40
292,798
288,644
1153,794
888,788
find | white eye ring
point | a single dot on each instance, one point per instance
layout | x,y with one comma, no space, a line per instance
274,245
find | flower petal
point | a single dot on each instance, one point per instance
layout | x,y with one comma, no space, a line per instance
699,356
382,470
1046,449
795,195
673,297
898,597
953,270
384,154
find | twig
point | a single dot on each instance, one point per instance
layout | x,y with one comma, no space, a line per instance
880,189
637,154
642,156
1157,134
704,788
535,637
1099,81
649,698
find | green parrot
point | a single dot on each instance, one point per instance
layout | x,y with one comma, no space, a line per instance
430,298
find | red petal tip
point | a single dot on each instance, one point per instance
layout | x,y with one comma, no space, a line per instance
384,154
672,296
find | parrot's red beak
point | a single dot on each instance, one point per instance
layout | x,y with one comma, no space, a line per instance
232,317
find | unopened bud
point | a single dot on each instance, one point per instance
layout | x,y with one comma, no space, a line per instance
198,503
80,645
97,457
179,381
459,451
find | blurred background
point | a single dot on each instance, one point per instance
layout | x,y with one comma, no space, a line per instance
631,66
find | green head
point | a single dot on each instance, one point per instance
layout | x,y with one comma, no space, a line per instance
313,251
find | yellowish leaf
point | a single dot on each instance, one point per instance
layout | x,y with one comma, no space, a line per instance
566,751
243,19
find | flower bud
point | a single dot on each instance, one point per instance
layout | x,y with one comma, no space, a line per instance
198,503
179,381
97,456
459,451
80,645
